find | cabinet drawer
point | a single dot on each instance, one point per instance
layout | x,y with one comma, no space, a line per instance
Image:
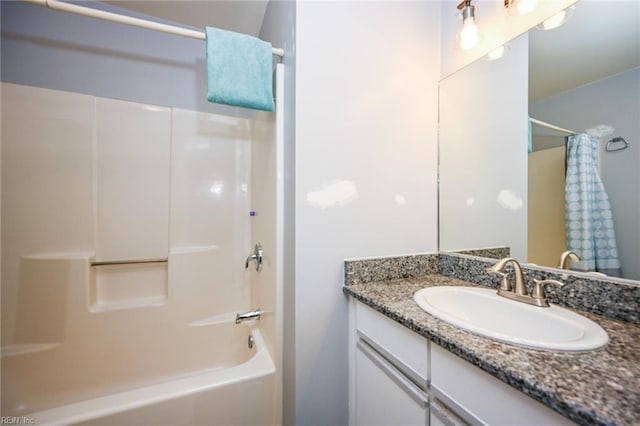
480,398
383,396
406,350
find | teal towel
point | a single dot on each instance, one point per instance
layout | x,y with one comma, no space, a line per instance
239,70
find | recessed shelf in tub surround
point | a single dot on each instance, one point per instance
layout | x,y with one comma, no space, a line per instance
595,387
126,286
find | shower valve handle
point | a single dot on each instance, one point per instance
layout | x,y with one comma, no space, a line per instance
256,256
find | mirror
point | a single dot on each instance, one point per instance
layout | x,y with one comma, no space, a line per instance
582,75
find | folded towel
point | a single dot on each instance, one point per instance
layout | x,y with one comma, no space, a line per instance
239,70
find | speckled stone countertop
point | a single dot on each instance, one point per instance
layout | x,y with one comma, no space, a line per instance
596,387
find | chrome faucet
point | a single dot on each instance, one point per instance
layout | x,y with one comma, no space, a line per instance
256,256
519,292
567,256
498,269
251,315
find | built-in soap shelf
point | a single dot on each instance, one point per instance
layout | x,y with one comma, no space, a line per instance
127,284
83,281
47,278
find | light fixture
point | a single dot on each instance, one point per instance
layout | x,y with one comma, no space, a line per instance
498,52
468,36
520,7
557,20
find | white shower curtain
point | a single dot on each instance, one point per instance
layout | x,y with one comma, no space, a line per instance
589,219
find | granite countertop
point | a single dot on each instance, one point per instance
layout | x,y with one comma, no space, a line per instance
595,387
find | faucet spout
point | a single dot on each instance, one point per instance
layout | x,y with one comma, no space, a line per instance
519,291
251,315
499,268
566,257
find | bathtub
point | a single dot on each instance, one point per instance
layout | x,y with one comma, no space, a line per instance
188,383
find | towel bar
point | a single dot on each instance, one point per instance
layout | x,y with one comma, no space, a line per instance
614,141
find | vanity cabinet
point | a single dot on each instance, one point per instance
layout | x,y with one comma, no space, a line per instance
383,396
399,378
476,397
389,370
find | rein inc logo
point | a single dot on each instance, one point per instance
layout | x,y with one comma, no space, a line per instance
17,420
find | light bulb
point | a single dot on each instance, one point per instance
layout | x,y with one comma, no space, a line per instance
557,20
526,6
469,34
496,53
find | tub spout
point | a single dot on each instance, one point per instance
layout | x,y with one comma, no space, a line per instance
251,315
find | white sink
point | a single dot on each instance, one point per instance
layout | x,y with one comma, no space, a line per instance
483,312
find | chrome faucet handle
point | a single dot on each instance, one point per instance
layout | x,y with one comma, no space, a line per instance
256,256
537,293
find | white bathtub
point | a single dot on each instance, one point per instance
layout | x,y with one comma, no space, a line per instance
222,382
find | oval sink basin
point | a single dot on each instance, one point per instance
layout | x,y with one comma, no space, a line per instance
483,312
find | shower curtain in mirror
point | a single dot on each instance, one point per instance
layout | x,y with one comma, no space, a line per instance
589,220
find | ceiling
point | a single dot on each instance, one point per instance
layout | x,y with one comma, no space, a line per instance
243,16
601,39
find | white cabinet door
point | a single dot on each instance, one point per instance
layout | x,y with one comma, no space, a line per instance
383,395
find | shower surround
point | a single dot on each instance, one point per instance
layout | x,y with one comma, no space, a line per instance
93,189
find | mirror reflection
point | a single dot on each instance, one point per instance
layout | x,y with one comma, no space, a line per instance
506,181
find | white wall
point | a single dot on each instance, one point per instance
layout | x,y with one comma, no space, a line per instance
496,26
365,168
483,149
614,101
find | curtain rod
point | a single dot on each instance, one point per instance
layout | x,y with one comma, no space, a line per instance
552,127
127,20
